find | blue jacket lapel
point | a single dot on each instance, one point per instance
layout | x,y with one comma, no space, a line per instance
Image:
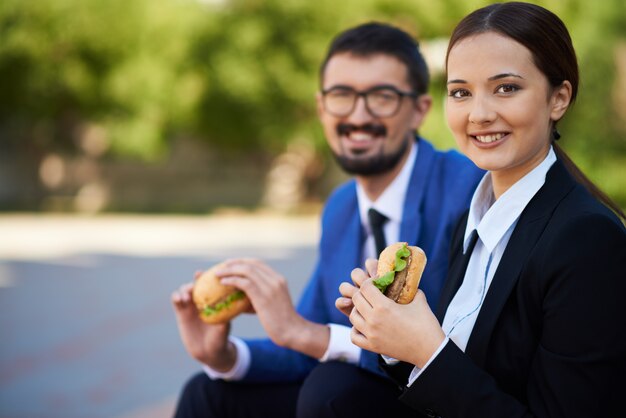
343,245
412,213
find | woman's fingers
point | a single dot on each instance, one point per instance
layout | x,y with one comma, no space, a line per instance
358,338
371,265
358,276
361,304
347,290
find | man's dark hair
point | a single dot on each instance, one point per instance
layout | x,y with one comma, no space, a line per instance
379,38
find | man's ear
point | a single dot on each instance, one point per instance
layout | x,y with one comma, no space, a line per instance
319,103
422,105
560,100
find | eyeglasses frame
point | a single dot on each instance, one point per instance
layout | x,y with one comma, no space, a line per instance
363,94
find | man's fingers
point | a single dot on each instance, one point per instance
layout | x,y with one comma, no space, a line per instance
182,294
248,270
243,283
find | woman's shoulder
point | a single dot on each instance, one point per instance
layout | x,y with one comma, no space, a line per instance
581,221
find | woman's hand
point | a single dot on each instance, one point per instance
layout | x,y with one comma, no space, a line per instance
347,290
408,332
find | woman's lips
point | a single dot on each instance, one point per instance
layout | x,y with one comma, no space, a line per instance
489,140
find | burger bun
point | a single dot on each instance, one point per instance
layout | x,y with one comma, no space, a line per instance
208,291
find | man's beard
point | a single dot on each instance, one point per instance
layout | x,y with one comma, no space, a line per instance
374,165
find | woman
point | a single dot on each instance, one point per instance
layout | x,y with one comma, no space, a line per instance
533,316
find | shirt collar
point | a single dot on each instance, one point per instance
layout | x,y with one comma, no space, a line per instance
492,218
391,202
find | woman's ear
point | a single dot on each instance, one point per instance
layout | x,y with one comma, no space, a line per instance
560,100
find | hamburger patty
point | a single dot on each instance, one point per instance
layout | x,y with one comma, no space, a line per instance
395,288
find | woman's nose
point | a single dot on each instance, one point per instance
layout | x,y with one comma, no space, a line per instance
482,111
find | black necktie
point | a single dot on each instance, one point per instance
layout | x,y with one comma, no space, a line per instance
377,220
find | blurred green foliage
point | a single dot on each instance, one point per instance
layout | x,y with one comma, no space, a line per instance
242,74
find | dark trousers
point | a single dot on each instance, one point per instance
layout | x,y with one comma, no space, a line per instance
332,389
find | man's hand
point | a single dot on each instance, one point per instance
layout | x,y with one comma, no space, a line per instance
269,295
206,343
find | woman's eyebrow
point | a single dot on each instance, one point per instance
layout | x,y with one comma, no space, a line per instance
492,78
504,75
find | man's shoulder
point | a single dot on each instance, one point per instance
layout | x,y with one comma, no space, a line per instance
451,165
344,191
341,198
453,158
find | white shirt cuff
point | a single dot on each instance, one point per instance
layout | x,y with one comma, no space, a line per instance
416,372
340,346
241,366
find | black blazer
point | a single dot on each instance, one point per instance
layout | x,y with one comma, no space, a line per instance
550,338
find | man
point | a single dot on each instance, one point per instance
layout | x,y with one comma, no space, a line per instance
372,101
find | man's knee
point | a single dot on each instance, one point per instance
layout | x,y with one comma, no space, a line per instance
193,399
327,388
337,389
203,397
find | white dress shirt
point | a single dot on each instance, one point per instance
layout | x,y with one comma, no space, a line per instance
340,346
494,220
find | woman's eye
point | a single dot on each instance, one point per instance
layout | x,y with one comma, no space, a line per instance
507,88
458,93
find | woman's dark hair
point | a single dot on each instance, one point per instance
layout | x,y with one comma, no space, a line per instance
376,38
549,42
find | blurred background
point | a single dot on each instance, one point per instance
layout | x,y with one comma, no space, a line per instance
141,140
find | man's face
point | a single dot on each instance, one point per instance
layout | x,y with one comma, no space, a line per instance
363,143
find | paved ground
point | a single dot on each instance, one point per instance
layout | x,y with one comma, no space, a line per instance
86,327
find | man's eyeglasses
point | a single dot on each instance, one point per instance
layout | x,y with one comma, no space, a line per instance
380,101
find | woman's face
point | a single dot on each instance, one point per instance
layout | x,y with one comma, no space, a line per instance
500,107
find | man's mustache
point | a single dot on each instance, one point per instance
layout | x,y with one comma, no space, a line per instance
370,128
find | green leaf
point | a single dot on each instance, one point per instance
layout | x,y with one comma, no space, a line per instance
400,264
401,255
384,281
210,310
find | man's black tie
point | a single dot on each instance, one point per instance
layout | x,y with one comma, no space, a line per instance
368,359
377,221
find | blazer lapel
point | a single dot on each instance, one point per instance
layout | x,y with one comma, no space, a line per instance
412,209
456,273
344,246
528,230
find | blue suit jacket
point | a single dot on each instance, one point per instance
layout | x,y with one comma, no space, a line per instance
440,190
